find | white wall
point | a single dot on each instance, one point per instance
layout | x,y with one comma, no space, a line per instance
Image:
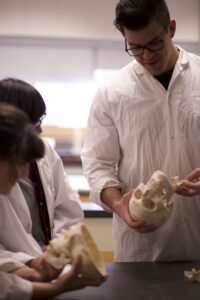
58,18
60,40
84,18
187,15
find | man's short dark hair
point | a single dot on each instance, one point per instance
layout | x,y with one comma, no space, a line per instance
137,14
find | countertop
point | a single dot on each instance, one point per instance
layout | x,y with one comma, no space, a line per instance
92,210
142,281
79,184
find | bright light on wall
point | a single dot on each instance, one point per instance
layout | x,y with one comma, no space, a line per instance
68,103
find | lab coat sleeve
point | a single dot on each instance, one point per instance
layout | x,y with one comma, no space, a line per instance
10,261
14,288
101,151
67,209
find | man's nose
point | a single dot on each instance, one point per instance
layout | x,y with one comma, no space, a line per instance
147,53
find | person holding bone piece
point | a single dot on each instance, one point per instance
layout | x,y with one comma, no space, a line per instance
43,203
19,145
144,119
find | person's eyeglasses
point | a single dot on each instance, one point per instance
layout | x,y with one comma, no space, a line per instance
155,45
39,122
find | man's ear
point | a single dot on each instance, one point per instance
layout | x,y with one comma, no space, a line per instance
172,28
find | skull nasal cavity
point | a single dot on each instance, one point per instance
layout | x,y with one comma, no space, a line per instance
148,203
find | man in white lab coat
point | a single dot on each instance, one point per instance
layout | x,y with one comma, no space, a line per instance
145,119
29,220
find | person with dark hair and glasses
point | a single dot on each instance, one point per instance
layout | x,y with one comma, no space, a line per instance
146,118
19,145
43,203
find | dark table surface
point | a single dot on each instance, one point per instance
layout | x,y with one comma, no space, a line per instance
142,281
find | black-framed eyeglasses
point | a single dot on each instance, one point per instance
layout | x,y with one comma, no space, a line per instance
39,122
155,45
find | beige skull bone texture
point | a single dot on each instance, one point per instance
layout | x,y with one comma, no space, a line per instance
152,202
72,242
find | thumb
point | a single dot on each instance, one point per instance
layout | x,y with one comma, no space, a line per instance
76,264
128,195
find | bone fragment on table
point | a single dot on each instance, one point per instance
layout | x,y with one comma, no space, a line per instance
193,275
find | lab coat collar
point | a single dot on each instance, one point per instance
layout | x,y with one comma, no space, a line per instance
40,162
183,60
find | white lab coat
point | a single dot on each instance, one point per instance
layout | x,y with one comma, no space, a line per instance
14,288
15,220
137,125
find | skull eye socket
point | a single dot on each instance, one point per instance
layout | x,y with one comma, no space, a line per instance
148,204
138,194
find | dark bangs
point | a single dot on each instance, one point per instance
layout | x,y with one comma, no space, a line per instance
24,96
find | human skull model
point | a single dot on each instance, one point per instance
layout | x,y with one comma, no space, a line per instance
152,202
76,241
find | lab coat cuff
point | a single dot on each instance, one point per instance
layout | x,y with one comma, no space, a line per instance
95,196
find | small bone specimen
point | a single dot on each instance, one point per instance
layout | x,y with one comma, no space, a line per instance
176,182
193,275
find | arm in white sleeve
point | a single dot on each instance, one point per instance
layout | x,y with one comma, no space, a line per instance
13,287
101,152
10,261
